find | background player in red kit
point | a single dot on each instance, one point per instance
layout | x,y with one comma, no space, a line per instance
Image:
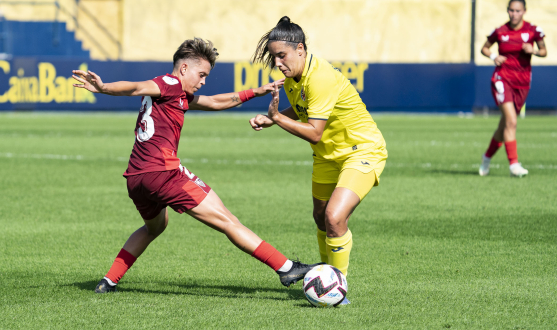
155,177
511,80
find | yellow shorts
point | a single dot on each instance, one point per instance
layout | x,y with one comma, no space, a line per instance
358,173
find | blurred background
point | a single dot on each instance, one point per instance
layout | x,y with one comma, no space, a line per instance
402,55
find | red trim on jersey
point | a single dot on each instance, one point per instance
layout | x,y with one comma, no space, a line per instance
171,162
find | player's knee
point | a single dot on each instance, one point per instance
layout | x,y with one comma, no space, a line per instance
510,123
333,219
318,217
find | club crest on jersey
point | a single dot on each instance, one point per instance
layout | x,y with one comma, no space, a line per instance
170,80
504,38
525,37
303,94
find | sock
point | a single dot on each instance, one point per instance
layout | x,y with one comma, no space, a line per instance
268,255
121,264
494,145
286,267
512,154
338,251
321,237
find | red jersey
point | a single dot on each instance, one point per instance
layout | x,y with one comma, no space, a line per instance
158,128
516,70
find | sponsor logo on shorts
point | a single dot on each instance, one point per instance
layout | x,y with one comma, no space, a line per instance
303,94
355,147
337,249
365,163
525,37
500,97
500,87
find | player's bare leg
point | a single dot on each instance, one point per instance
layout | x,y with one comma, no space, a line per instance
141,238
212,212
506,131
132,249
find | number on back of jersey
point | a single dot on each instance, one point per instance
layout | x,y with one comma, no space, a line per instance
146,127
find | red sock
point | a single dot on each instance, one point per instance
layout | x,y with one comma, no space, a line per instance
267,254
494,145
121,264
511,152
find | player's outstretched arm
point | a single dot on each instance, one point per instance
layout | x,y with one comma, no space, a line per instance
312,131
229,100
93,83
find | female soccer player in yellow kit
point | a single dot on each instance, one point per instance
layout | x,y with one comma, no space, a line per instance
349,152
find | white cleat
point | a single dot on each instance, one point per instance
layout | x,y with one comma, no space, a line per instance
517,170
484,167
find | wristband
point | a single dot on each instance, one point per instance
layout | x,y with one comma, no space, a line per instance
493,56
246,95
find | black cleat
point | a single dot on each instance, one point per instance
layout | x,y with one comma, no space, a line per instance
104,287
296,273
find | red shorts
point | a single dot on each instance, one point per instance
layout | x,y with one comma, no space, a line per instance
151,192
503,92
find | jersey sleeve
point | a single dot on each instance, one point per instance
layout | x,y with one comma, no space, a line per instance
170,87
492,37
322,95
538,33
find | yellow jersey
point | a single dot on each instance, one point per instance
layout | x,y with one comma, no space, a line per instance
324,93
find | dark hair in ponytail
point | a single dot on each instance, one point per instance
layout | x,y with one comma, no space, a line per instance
286,31
523,2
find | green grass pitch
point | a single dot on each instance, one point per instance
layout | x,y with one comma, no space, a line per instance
435,245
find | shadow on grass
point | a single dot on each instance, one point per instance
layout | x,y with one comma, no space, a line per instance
200,289
455,172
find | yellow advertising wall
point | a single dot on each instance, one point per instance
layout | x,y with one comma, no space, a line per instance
380,31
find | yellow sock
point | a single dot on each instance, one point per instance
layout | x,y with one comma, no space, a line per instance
321,237
338,251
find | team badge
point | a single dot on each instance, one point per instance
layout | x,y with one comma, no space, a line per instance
303,94
170,80
504,38
525,37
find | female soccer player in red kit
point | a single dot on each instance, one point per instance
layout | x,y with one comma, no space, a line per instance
155,177
511,80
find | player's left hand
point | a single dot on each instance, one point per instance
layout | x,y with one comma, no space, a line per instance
528,48
268,88
273,107
89,81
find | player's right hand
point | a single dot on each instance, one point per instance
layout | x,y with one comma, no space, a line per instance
260,122
89,81
500,60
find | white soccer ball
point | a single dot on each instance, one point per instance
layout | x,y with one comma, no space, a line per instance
325,286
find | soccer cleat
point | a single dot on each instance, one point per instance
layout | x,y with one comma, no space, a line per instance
104,287
517,170
344,302
484,167
296,273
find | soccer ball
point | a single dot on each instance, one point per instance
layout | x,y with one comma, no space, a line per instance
325,286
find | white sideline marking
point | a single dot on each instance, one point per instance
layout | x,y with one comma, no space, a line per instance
261,162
